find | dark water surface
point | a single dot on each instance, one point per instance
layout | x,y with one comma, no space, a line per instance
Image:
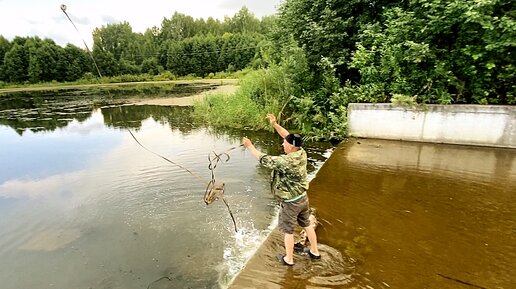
82,205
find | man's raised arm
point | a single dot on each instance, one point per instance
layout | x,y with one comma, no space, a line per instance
279,129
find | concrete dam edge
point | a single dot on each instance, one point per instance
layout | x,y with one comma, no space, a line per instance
479,125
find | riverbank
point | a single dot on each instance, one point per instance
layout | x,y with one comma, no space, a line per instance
186,100
58,87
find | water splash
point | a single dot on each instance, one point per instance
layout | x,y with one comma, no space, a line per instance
248,239
241,248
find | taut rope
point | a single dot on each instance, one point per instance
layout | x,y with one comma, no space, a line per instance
213,191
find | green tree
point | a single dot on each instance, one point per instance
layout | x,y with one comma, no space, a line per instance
214,26
330,29
151,66
117,39
178,27
150,51
16,64
74,62
116,49
268,24
454,52
43,60
176,58
106,61
243,21
5,46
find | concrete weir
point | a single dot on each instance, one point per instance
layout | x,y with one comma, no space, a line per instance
400,214
433,210
480,125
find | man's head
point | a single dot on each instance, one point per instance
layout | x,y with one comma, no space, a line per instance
292,143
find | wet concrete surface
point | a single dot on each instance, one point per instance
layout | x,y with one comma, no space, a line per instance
404,215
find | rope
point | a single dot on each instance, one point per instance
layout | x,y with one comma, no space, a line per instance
213,192
63,7
168,160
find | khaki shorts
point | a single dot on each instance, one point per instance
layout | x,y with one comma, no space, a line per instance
292,212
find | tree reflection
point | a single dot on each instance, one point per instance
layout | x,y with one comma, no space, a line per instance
39,112
132,116
51,109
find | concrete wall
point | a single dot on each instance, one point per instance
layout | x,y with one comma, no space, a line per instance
482,125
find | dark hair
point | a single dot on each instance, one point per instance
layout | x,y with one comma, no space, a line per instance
294,139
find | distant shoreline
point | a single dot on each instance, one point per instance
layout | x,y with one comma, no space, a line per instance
222,82
186,100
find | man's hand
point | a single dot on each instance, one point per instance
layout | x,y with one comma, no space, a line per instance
279,129
249,145
271,118
246,142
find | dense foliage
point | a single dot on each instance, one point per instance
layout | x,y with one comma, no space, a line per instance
439,51
425,51
181,46
310,60
418,51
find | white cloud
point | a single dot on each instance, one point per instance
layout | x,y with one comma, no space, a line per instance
48,187
46,20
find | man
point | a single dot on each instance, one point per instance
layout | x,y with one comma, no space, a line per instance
289,185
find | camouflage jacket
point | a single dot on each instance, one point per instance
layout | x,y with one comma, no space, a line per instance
289,178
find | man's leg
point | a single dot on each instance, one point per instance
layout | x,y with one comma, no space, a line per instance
312,238
289,248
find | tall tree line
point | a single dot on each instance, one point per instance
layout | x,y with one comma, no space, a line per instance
182,45
457,51
334,51
328,53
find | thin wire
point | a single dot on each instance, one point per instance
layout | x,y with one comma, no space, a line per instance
211,167
211,188
63,7
198,53
168,160
230,213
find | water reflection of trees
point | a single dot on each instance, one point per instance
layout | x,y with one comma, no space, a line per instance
38,112
51,109
132,116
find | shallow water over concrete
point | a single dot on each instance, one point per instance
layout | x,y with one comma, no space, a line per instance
405,215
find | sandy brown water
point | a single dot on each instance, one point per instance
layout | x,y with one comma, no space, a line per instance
404,215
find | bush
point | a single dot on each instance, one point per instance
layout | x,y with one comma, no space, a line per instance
236,111
441,53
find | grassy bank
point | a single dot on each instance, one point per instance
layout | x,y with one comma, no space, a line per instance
260,92
90,81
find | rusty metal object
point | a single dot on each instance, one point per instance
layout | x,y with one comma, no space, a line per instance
213,192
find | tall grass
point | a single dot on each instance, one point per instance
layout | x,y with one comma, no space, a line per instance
236,111
305,102
260,92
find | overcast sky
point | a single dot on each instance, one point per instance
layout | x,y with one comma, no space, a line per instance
45,19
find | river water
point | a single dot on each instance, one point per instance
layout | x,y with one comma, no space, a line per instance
83,205
419,215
